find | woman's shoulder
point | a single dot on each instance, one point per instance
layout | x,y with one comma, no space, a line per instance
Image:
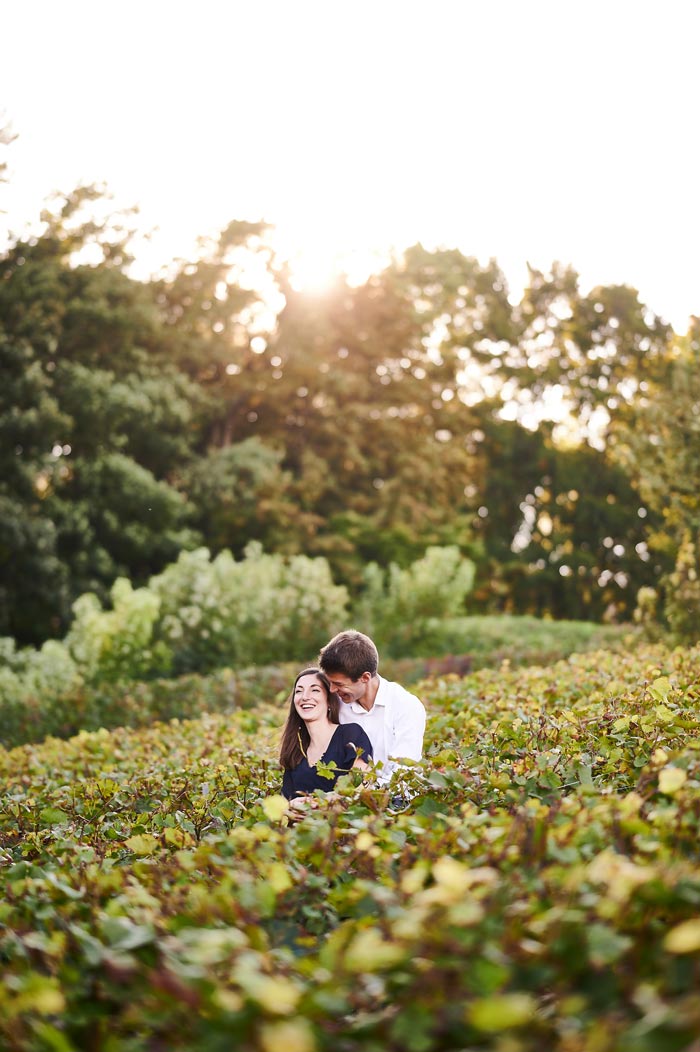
348,729
353,733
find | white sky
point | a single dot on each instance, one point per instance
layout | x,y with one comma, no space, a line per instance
522,129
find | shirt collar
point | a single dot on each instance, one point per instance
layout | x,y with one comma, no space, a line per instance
379,699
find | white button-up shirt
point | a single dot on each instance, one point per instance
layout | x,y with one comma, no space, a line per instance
395,724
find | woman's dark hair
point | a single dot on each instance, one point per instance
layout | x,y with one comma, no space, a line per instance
295,735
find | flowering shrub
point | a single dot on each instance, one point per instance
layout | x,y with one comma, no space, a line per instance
261,609
117,643
404,608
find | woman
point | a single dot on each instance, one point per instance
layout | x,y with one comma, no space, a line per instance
312,734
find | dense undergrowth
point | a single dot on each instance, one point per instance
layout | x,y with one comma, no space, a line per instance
540,890
51,703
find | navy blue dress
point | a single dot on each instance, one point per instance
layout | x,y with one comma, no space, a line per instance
305,778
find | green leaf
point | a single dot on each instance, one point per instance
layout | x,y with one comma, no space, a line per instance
605,945
660,688
502,1012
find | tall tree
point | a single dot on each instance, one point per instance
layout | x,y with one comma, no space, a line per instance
659,449
87,376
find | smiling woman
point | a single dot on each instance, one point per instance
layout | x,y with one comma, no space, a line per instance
313,736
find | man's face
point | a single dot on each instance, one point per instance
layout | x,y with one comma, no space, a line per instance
349,690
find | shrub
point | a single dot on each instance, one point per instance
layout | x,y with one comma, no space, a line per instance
539,890
264,608
118,643
402,609
682,605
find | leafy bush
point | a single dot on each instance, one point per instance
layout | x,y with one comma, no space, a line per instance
489,640
30,717
265,607
540,890
197,616
403,609
114,644
682,587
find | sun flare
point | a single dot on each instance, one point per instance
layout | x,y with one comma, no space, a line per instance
312,269
319,264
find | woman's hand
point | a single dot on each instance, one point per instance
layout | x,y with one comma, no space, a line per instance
300,805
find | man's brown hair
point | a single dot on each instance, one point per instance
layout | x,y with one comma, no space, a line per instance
350,654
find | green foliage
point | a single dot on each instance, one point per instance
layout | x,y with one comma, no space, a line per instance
488,641
38,704
540,889
36,673
142,419
92,417
659,448
117,644
197,616
116,516
49,693
240,491
402,609
682,607
223,612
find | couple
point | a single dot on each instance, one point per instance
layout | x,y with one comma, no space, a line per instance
345,714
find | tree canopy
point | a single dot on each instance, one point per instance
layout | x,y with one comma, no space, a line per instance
217,405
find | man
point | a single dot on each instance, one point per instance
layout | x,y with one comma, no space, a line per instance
393,719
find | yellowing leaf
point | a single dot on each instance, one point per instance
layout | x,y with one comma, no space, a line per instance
453,880
619,874
369,952
178,837
277,995
228,1000
275,807
492,1014
414,879
277,876
142,844
211,945
660,688
290,1035
364,841
631,803
684,938
671,779
41,995
457,877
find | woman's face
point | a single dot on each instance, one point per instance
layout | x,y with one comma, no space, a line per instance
310,698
